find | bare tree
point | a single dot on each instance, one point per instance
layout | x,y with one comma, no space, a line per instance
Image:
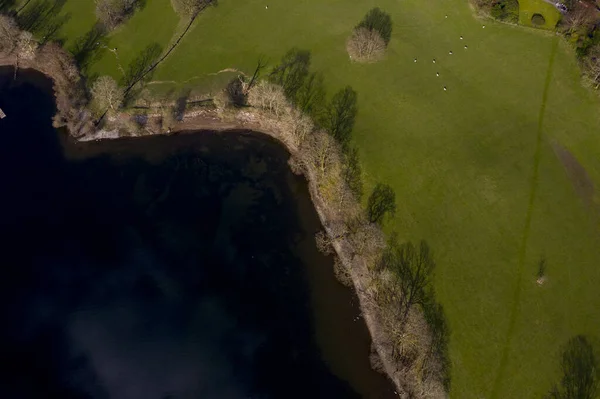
365,45
367,239
190,8
106,94
580,18
296,126
9,34
320,151
591,65
26,46
324,242
268,96
111,13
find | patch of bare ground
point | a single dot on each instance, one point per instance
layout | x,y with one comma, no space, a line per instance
581,181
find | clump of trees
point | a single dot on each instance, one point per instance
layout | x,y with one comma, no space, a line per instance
370,37
365,45
50,59
412,273
19,43
580,371
406,286
505,10
111,13
293,103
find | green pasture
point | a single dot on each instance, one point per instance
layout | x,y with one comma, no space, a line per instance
474,167
528,8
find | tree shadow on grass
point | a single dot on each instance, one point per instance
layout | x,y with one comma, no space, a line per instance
139,68
88,48
7,5
40,15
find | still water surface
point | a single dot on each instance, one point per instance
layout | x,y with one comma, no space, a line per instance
165,267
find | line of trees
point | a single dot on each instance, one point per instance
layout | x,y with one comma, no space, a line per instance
294,102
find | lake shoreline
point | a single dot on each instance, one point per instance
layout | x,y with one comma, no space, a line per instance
245,119
210,120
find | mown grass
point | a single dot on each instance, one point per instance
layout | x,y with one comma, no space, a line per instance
462,161
82,18
527,8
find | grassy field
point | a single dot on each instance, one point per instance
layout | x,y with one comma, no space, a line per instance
474,168
527,8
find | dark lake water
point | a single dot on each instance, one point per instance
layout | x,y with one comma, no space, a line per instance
164,267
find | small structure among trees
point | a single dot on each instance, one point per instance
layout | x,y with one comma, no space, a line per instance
370,37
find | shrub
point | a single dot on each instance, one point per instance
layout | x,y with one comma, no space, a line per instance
365,45
378,21
236,91
538,19
506,10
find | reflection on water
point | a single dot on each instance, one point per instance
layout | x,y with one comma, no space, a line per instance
165,267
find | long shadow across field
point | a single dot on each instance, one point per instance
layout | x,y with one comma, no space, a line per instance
514,311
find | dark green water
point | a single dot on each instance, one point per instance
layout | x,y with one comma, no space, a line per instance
165,267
